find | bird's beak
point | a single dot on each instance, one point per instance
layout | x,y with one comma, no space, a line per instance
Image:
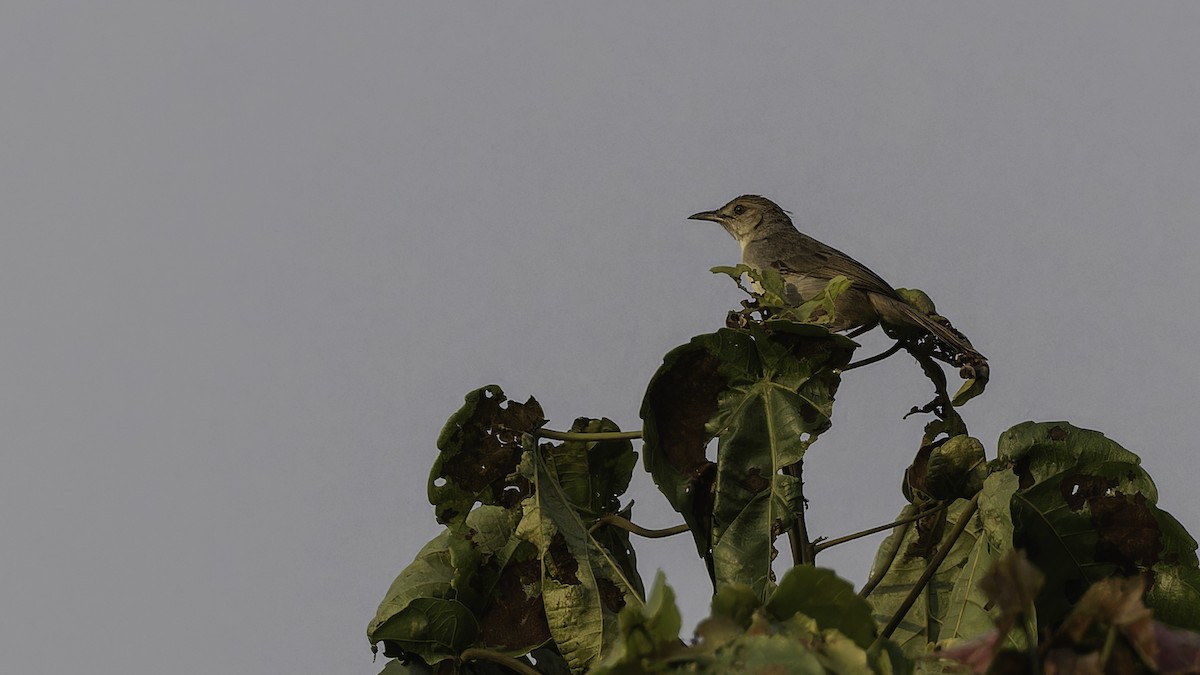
714,216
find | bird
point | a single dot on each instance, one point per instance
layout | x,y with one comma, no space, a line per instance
769,240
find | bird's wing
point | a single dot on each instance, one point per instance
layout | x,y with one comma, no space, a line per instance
825,262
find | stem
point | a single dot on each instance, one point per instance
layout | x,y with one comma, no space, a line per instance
629,526
821,546
476,654
588,435
931,569
882,572
872,359
1031,648
1106,651
803,552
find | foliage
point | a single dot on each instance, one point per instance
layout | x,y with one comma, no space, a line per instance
1052,557
765,395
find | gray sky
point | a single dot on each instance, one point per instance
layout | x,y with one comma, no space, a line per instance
254,254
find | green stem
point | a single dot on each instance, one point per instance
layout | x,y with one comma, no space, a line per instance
629,526
588,435
881,572
821,546
803,552
872,359
476,654
931,569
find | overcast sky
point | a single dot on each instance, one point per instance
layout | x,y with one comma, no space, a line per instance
254,254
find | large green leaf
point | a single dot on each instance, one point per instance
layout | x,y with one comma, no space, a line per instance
914,545
475,584
765,394
423,612
1086,510
968,614
584,585
480,448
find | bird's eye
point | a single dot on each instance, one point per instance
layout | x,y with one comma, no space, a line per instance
739,210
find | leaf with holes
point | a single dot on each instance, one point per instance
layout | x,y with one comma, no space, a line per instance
1086,510
765,394
584,584
480,449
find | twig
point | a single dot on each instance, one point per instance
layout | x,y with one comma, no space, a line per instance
476,654
872,359
821,546
931,569
588,435
883,570
629,526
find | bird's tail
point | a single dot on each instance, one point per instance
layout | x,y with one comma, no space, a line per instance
899,315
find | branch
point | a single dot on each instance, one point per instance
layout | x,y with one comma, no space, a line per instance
821,546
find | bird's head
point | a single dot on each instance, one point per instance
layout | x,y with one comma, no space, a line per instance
747,217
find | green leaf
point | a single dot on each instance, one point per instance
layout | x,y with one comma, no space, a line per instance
766,395
480,449
822,307
593,476
422,613
968,615
584,585
737,603
1038,450
1086,510
919,299
820,594
648,633
914,545
956,468
396,667
766,655
1175,595
734,272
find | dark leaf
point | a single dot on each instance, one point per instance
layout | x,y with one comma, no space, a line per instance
480,449
1086,510
956,468
765,394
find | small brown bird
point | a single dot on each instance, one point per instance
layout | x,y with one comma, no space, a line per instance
770,241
